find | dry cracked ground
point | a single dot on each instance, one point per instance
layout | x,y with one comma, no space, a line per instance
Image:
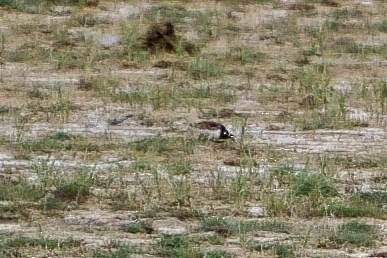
99,156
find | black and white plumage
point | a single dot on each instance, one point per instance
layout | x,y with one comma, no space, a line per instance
215,131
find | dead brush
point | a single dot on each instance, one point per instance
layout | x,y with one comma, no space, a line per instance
160,37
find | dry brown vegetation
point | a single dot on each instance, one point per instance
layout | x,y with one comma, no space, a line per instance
99,158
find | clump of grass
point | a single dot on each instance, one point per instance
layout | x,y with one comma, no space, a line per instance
383,26
355,233
73,190
138,227
218,254
204,69
37,93
63,188
365,49
27,52
183,167
69,60
19,191
329,119
219,225
379,199
119,251
5,109
157,145
213,239
284,251
176,246
285,175
204,93
346,13
175,13
360,205
28,6
245,55
228,226
56,143
15,243
314,185
310,195
133,49
10,245
122,199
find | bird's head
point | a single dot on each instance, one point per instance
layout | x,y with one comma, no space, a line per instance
226,134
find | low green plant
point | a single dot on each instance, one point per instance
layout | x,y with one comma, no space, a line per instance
68,60
228,226
19,191
357,206
279,204
176,246
218,254
355,233
16,243
383,26
284,251
314,185
137,227
183,167
122,251
204,69
246,55
378,199
156,144
181,189
54,143
132,48
218,224
365,49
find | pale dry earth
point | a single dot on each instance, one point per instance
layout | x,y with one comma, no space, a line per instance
93,223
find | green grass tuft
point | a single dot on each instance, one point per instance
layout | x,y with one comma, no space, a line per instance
355,233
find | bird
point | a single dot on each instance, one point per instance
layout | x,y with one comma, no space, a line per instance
214,131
